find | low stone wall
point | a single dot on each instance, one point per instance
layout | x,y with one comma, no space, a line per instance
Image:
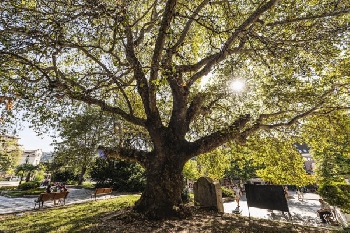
343,219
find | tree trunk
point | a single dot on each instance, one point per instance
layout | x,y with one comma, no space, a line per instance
161,198
81,175
28,177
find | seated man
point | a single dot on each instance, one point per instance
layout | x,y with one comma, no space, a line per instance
325,209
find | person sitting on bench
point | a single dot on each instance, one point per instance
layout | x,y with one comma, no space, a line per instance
325,209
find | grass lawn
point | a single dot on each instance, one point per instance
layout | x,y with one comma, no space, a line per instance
70,218
19,193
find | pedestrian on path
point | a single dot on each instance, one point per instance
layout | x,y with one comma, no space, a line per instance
238,194
48,188
325,209
286,193
300,195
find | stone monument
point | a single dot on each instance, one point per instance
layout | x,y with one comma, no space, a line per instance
208,194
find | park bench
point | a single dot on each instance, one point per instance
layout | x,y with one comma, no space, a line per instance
101,191
56,197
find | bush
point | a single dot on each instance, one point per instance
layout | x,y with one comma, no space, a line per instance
39,176
88,185
121,175
227,192
28,185
65,176
336,194
185,195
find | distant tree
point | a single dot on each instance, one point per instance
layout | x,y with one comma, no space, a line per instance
191,170
80,136
330,146
63,176
26,170
10,152
274,159
214,163
242,169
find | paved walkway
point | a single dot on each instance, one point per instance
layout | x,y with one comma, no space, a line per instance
302,212
306,208
20,204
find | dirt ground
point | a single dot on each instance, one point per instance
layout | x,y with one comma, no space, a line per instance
202,221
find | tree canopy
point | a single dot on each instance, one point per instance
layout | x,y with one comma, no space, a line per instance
80,135
330,146
10,152
165,68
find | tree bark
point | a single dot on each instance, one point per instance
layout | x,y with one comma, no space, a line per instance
81,175
28,177
161,198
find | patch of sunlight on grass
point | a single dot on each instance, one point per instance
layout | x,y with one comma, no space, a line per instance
88,185
72,218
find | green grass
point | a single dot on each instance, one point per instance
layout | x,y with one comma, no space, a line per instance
71,218
88,185
19,193
4,188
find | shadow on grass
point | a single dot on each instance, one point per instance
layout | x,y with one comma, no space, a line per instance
73,218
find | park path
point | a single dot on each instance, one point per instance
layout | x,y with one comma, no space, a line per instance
302,212
20,204
306,208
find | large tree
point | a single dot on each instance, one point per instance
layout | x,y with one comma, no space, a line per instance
147,61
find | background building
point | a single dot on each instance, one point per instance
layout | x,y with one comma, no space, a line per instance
31,157
309,162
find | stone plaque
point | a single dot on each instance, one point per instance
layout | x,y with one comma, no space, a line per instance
208,194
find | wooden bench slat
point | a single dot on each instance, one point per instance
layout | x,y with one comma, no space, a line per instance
101,191
55,196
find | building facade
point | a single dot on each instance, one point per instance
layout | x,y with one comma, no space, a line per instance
31,157
309,162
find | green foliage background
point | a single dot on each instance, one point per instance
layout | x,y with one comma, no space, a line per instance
121,175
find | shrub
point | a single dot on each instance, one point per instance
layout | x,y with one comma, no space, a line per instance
336,194
65,176
28,185
39,176
185,195
227,192
88,185
121,175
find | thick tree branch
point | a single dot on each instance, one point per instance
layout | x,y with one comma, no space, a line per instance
188,25
142,84
124,153
148,26
226,48
260,126
168,15
213,140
